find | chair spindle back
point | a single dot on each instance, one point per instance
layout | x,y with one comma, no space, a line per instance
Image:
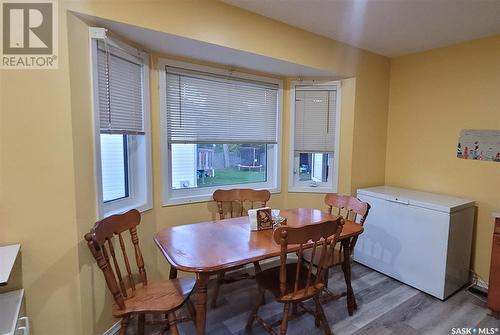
350,208
100,242
236,199
324,234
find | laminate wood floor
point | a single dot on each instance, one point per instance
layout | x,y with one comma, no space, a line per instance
385,306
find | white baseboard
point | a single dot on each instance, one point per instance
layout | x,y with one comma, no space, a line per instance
114,329
482,284
478,281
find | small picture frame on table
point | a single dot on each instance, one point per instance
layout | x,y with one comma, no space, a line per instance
264,218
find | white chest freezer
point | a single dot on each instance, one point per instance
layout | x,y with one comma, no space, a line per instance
419,238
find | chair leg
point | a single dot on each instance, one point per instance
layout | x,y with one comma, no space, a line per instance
322,317
257,267
173,273
255,309
257,270
124,325
317,321
220,281
284,321
141,321
172,322
191,310
346,268
167,326
327,276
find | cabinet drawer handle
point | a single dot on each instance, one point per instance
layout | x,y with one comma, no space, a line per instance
26,327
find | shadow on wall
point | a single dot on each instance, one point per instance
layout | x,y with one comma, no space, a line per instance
56,278
100,300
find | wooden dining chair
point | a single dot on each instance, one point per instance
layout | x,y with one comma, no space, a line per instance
293,283
139,297
351,209
234,203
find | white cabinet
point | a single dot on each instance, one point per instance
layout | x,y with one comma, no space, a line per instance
12,317
422,239
8,255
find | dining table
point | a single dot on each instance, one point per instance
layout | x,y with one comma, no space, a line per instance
207,248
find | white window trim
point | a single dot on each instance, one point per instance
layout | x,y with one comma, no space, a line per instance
140,195
332,185
203,194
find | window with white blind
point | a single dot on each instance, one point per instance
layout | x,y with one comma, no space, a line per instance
219,130
315,125
121,109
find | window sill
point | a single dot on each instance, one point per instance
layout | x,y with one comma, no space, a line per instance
310,189
141,207
200,198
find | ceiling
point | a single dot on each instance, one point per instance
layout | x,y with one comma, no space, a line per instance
202,51
386,27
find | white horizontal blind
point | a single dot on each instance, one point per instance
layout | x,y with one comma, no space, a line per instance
315,117
207,108
121,106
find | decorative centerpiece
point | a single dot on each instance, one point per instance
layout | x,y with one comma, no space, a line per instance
278,220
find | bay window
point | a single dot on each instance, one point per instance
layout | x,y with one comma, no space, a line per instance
314,125
122,139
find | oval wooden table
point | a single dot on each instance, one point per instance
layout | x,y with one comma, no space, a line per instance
209,247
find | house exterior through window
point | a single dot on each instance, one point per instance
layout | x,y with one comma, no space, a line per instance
219,130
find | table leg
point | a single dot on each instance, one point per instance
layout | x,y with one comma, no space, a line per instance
173,273
201,302
346,268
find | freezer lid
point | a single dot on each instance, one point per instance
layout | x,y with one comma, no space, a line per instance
433,201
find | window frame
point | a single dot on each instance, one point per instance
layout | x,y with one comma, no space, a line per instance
294,185
138,146
172,197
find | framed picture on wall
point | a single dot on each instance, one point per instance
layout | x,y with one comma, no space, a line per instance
479,144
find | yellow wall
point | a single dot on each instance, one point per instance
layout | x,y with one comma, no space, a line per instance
220,24
96,305
37,204
433,95
47,193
